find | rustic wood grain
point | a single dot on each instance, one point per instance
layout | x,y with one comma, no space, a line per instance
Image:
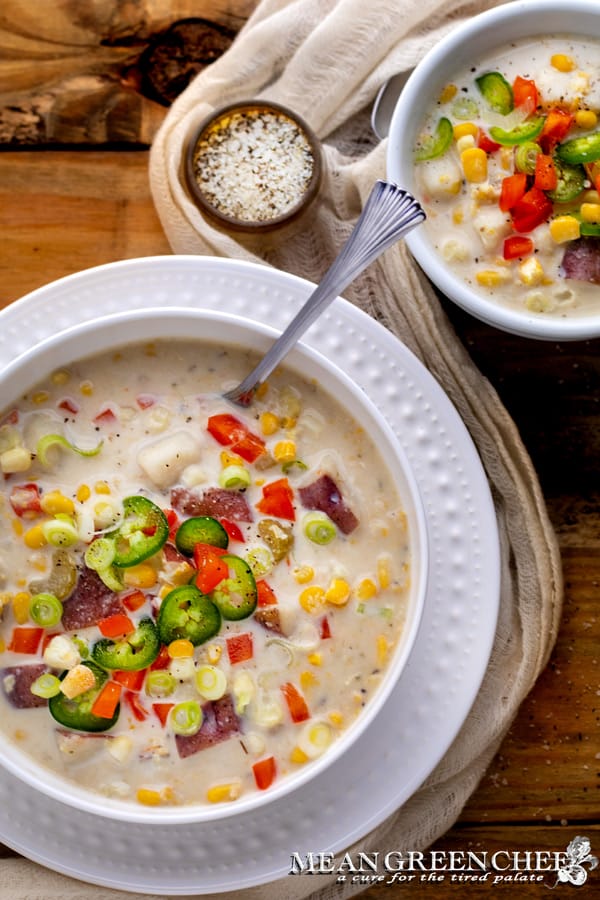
75,73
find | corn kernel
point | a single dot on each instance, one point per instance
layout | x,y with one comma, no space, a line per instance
338,592
40,397
289,422
54,503
223,793
16,459
230,459
86,388
284,451
141,576
180,649
382,649
384,572
269,423
148,797
20,606
465,143
308,680
366,589
586,118
60,377
17,527
315,659
304,574
165,589
490,278
590,212
34,538
590,196
83,493
474,164
531,272
458,216
464,128
564,228
312,598
562,62
448,93
261,390
101,487
298,756
214,653
2,645
336,718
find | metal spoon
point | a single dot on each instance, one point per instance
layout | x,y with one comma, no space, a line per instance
388,215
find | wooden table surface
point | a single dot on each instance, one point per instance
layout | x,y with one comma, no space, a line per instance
77,112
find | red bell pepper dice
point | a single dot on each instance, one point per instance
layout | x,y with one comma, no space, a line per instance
211,568
512,190
107,700
296,703
116,626
546,177
25,500
133,681
277,500
265,593
264,772
231,432
25,640
525,93
531,210
161,711
516,246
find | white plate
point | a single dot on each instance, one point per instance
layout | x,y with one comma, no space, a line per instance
434,695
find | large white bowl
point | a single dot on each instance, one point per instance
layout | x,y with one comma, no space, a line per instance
489,31
146,324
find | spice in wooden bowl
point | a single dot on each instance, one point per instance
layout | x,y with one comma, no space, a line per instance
254,168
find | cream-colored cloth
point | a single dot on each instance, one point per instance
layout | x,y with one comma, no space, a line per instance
326,59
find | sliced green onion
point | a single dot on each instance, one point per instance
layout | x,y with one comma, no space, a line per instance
315,738
319,528
464,108
46,686
60,531
186,718
84,650
237,477
160,683
260,561
58,440
45,610
100,554
211,682
526,155
386,612
112,578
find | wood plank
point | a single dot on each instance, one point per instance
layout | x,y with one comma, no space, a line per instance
104,72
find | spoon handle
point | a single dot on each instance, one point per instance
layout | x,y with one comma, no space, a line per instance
388,215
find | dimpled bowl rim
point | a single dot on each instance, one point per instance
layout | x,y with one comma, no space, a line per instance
484,33
110,332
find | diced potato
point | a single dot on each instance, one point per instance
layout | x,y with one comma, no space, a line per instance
454,250
77,681
531,272
492,226
17,459
164,460
61,653
442,178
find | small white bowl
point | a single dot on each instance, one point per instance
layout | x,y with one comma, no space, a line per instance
143,325
492,30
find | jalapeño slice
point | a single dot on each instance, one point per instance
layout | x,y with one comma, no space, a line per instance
527,131
142,533
436,144
132,653
236,596
580,150
571,181
200,530
496,90
187,613
77,713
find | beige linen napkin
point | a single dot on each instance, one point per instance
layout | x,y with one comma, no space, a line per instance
326,60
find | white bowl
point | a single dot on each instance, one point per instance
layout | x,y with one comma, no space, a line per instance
142,325
483,34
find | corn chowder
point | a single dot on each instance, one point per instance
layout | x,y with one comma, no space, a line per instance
196,600
508,170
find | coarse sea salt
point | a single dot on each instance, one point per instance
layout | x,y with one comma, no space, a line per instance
253,165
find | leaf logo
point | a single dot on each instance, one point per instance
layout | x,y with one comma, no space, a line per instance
579,856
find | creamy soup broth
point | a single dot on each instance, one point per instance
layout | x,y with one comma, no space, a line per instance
304,659
507,248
